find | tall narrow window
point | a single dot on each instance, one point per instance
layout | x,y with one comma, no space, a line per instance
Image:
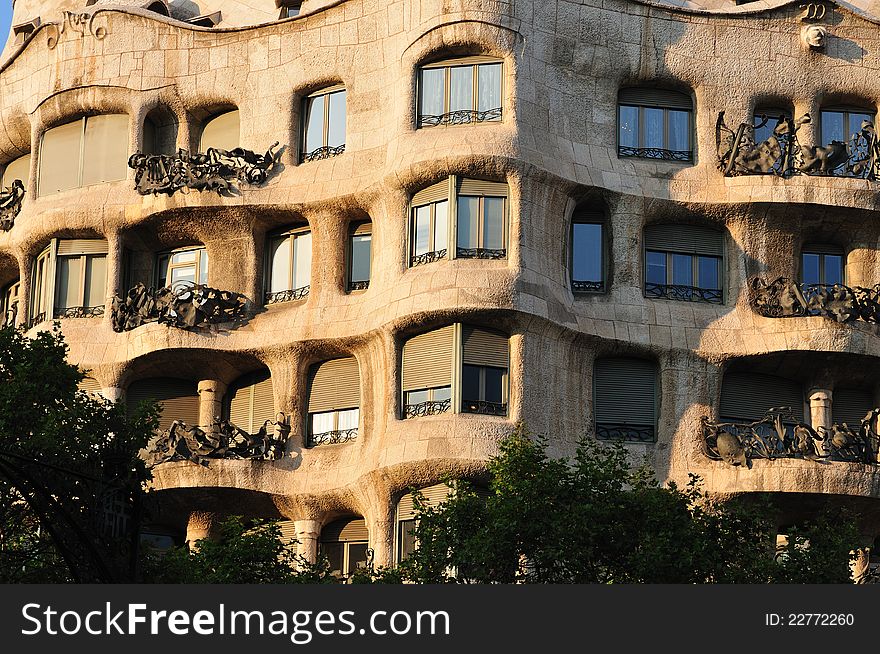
587,252
178,399
822,265
684,262
485,359
429,230
345,544
324,124
289,269
655,124
88,151
183,267
460,91
334,402
289,8
17,169
10,298
69,280
359,248
625,399
252,401
427,373
222,132
42,286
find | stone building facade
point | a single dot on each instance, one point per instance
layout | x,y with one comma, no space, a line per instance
558,226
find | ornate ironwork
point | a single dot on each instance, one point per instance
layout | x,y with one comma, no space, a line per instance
784,298
656,153
484,408
460,117
184,307
682,292
287,296
324,152
222,440
579,286
428,408
10,204
781,154
333,437
37,319
780,435
359,286
427,257
216,170
480,253
79,312
624,432
80,23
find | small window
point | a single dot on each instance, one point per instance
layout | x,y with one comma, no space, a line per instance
183,267
290,8
684,262
345,544
460,91
324,124
655,124
822,265
625,399
222,132
252,402
69,280
770,117
587,253
289,269
840,123
11,295
17,169
334,402
92,150
359,248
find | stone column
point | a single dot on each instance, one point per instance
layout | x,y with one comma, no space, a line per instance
201,525
113,393
307,533
820,408
211,394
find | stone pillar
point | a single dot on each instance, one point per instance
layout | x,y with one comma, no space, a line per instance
211,394
820,408
113,393
307,533
201,525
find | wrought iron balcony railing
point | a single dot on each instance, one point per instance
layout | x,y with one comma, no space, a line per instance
324,152
779,435
10,316
427,257
580,286
287,296
37,319
685,293
359,286
484,408
460,117
332,437
428,408
480,253
79,312
183,306
656,153
782,155
784,298
625,432
222,440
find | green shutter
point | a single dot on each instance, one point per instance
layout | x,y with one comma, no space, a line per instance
482,347
625,392
746,397
334,385
648,97
345,529
427,359
850,405
433,496
688,239
179,399
434,193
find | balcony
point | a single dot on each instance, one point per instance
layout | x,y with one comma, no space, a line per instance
785,298
222,440
683,293
332,437
185,306
287,296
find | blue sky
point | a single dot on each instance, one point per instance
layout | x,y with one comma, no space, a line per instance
5,19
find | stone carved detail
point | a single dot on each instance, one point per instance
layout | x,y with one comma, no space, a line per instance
223,440
779,435
784,298
862,572
814,36
10,204
216,170
185,307
74,23
813,11
782,155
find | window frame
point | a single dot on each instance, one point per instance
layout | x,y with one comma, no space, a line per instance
822,251
200,250
588,287
447,118
656,402
44,285
683,292
325,151
289,294
846,111
80,307
352,285
481,224
664,153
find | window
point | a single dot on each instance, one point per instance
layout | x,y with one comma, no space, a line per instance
587,253
17,169
334,402
252,402
324,124
625,399
478,221
345,544
748,397
10,299
182,267
822,264
684,262
840,123
406,543
772,115
69,280
289,270
359,248
460,91
428,365
850,406
655,124
222,132
290,8
178,399
90,150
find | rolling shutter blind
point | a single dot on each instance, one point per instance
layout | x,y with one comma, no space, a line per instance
463,61
222,132
587,216
60,158
625,392
689,239
17,169
346,529
427,360
433,496
179,399
655,98
822,248
850,405
481,187
70,246
334,385
327,90
434,193
481,347
105,149
252,402
288,531
90,385
363,228
746,397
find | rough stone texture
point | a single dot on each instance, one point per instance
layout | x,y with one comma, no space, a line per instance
555,147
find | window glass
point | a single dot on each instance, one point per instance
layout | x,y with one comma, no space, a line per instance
810,268
417,397
587,252
183,276
441,222
348,419
832,127
17,169
203,267
679,130
682,269
708,272
653,128
432,91
279,276
855,123
323,422
302,260
833,269
461,88
222,132
188,256
656,273
468,222
336,128
162,269
335,553
470,383
764,133
441,394
406,542
357,556
423,229
360,257
314,136
494,389
68,282
489,96
629,127
493,225
96,281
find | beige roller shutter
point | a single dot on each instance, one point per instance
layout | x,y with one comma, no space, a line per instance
252,401
625,392
434,193
427,359
345,529
481,187
688,239
105,149
649,97
463,61
60,157
179,399
433,496
850,405
288,531
222,132
17,169
482,347
70,246
363,228
334,385
90,385
746,397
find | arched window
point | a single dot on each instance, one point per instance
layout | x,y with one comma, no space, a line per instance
334,401
822,264
625,399
91,150
160,132
222,132
587,251
17,169
460,91
684,262
289,265
345,544
360,255
655,124
251,401
324,116
179,399
69,280
182,267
